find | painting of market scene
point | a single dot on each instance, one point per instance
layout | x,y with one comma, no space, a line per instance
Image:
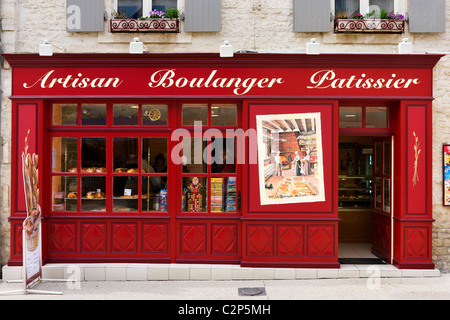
290,158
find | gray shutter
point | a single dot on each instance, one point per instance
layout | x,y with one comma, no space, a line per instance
426,16
312,15
85,15
202,16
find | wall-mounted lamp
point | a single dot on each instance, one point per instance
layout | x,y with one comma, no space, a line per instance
226,50
45,49
405,47
136,46
313,47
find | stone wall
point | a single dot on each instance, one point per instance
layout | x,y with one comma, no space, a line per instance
257,25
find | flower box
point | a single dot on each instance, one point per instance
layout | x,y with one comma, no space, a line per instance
369,26
145,25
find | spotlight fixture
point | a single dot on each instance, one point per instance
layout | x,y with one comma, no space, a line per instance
45,49
136,46
226,50
405,47
313,47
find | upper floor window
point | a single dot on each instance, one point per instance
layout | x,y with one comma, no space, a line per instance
135,9
351,8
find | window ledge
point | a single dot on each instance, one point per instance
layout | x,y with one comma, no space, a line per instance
158,25
369,26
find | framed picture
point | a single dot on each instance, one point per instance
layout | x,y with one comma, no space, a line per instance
446,156
290,160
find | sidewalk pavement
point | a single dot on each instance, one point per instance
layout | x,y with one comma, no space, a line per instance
416,288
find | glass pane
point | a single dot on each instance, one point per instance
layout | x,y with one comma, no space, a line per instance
194,196
378,194
154,115
223,115
378,157
223,155
93,114
125,194
93,155
64,154
154,193
195,112
126,114
387,158
345,9
378,5
387,195
154,155
64,191
65,114
193,160
164,5
377,117
223,194
125,155
93,193
129,9
350,117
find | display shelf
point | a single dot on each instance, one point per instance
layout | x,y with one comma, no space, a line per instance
355,193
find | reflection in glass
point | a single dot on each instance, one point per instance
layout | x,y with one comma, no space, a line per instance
223,155
387,195
350,117
93,193
377,117
125,194
64,193
93,114
154,155
93,155
349,6
64,151
193,160
194,194
387,158
130,9
154,115
195,112
154,193
126,114
65,114
223,194
223,115
125,152
378,194
378,157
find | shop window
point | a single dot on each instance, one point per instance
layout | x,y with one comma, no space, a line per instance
154,115
64,193
350,117
377,117
126,114
195,113
364,117
223,115
65,114
94,114
209,114
64,154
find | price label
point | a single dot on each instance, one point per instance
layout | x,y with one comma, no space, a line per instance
127,192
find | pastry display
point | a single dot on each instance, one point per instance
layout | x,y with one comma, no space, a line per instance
133,170
73,170
90,195
120,170
99,195
294,187
100,170
72,195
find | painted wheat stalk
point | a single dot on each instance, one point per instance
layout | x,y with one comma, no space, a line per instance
416,159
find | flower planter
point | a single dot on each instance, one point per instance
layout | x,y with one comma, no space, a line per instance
369,26
145,25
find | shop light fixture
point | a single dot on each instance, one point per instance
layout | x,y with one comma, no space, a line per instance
313,47
226,50
405,47
136,46
45,49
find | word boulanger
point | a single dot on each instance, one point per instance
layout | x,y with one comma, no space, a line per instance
167,78
324,79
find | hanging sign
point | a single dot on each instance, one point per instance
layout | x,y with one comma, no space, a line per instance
32,253
446,175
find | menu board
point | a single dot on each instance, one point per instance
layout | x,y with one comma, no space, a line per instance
446,175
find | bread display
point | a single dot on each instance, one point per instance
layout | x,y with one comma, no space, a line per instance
120,170
72,195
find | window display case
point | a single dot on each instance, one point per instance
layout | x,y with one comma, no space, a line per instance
355,192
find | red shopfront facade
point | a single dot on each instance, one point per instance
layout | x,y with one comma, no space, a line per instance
107,128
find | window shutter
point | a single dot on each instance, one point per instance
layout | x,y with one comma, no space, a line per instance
85,15
202,16
312,15
426,16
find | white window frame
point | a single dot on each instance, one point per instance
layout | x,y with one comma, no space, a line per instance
146,6
399,6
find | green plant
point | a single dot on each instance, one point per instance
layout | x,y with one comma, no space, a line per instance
121,14
172,14
342,14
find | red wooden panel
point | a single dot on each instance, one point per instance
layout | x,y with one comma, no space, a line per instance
124,237
193,238
224,238
290,240
63,237
417,159
93,237
26,121
260,240
416,242
155,237
321,240
381,235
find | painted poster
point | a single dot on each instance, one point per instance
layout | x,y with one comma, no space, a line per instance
290,158
32,224
447,175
